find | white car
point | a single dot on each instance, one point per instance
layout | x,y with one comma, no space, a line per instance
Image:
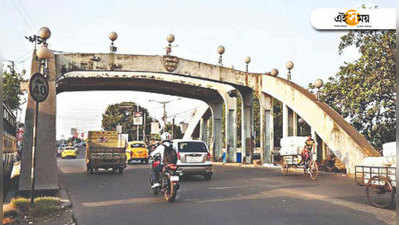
193,157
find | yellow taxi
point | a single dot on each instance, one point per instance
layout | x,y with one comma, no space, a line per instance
69,152
137,150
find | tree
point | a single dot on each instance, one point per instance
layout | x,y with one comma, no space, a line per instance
177,131
363,91
11,90
122,114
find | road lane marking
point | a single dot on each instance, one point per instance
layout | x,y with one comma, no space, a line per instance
221,188
121,202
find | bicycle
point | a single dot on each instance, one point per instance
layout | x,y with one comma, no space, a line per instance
312,169
292,163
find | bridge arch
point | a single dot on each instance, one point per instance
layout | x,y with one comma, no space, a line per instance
345,141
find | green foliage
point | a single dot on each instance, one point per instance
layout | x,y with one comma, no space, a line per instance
363,91
177,131
115,114
45,205
11,90
22,204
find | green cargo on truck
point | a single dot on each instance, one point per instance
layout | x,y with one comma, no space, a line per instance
105,150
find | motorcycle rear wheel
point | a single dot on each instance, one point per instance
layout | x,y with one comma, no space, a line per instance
170,195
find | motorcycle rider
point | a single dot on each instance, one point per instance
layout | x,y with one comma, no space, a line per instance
168,155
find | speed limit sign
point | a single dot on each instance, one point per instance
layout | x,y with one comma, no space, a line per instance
38,87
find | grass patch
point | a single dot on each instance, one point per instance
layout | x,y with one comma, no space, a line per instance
22,204
42,205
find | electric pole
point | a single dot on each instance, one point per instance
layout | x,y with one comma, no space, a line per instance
164,117
138,126
144,126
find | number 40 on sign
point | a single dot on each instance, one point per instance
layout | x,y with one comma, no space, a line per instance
38,87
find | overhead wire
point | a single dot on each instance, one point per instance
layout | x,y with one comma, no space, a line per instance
23,15
25,12
28,24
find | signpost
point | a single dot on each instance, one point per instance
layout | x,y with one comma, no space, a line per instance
38,89
155,128
138,119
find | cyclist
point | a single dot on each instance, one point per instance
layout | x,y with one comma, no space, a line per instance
307,151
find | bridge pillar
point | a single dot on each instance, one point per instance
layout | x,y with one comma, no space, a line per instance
46,163
208,138
285,120
230,104
203,130
247,124
266,127
294,124
217,114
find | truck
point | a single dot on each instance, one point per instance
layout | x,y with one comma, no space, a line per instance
105,150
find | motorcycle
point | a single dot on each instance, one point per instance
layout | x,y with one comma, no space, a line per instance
169,180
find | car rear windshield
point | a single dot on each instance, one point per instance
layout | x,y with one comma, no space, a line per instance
137,146
192,147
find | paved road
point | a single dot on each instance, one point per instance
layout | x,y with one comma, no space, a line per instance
235,196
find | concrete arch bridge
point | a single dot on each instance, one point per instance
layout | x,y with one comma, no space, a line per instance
216,85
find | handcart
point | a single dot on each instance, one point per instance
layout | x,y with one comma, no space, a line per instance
291,164
380,182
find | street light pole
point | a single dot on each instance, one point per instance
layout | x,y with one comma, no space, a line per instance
144,126
220,51
318,84
173,128
42,55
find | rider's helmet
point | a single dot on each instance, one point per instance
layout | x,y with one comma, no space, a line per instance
167,143
157,157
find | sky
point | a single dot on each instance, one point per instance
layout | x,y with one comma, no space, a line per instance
270,32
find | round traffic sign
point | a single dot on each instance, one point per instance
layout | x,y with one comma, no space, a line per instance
38,87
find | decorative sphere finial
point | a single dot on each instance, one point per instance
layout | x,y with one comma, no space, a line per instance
247,60
289,65
113,36
44,33
170,38
318,83
221,49
43,52
274,72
